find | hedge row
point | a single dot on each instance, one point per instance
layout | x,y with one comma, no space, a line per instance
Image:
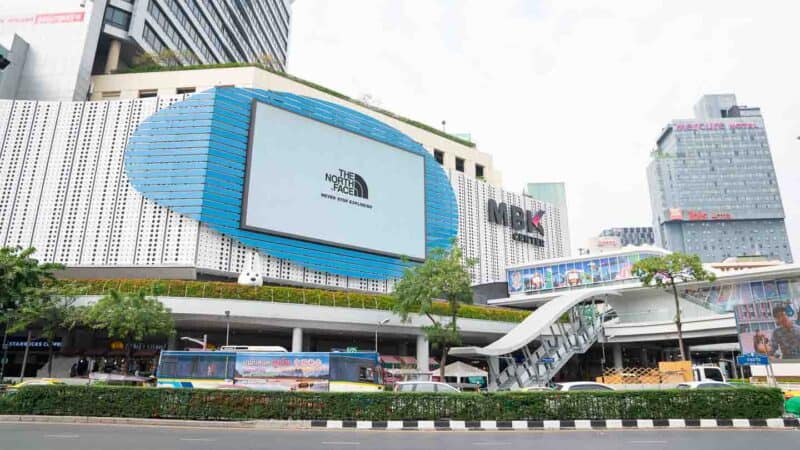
749,403
215,289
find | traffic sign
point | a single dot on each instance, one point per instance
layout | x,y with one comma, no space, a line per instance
547,360
752,359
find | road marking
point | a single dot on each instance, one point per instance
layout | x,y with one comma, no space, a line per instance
198,439
340,443
492,443
62,436
648,442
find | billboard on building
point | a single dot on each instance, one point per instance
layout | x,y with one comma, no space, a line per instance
766,315
570,274
315,182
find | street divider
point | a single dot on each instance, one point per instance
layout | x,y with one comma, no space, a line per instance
734,403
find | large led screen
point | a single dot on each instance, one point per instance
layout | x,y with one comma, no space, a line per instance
312,181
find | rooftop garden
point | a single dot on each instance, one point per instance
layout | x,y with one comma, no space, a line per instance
278,294
152,67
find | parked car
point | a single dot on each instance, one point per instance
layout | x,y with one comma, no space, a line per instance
582,386
424,386
537,389
708,384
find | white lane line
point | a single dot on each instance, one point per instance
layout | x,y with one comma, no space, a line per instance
340,443
62,436
198,439
648,442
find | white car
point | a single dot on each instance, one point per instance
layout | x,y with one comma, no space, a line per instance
424,386
707,384
582,386
537,389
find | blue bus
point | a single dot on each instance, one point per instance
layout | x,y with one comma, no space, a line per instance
271,371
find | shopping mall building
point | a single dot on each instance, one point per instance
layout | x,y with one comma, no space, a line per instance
205,175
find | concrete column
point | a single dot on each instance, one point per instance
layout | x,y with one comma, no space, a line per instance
616,349
171,342
297,339
112,60
423,354
494,369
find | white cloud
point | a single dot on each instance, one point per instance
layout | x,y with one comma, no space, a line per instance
564,90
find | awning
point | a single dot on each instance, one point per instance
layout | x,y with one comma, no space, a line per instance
460,369
390,359
410,360
723,347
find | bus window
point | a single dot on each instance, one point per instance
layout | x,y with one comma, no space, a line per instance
348,368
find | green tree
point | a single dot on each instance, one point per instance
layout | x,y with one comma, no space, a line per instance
443,276
19,272
50,309
20,275
669,271
130,317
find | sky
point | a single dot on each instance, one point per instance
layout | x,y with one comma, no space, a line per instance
574,91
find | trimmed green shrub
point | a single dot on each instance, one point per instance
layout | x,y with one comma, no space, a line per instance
216,289
747,403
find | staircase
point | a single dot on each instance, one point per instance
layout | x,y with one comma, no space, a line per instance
563,342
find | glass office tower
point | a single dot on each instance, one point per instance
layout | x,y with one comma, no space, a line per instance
713,190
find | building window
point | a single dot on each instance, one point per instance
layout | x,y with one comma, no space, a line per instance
186,90
478,171
148,93
117,18
438,155
459,164
111,94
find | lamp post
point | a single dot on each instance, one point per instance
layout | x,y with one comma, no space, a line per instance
227,326
380,324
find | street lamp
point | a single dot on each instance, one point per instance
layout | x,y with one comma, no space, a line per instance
204,342
227,326
380,324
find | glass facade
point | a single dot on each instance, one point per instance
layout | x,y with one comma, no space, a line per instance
713,188
577,273
631,235
210,31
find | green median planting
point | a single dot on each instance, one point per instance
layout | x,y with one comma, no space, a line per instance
735,403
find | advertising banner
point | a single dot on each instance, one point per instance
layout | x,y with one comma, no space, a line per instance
312,181
573,274
766,315
283,371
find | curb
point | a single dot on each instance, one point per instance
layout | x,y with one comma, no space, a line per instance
425,425
241,424
539,425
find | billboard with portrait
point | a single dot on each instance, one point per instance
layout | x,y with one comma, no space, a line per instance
766,315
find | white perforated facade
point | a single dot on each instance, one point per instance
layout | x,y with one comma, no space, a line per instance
491,244
63,190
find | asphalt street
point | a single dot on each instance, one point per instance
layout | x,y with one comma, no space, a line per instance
26,436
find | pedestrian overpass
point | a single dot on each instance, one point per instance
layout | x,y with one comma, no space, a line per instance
561,328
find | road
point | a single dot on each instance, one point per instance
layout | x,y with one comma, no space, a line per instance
27,436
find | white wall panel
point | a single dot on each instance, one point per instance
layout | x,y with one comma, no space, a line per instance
63,189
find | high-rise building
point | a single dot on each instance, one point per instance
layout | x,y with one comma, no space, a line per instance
556,194
71,40
631,235
713,189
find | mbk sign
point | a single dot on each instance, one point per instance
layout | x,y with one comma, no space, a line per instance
520,220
